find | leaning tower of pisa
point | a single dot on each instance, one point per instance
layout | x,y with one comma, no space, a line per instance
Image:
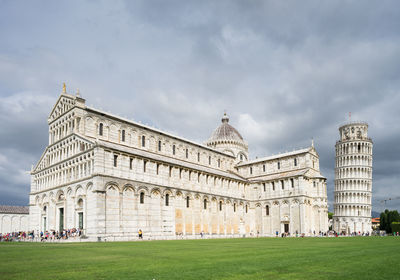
353,180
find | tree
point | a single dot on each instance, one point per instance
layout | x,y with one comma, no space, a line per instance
387,218
330,215
382,221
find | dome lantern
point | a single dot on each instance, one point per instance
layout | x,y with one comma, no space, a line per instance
225,118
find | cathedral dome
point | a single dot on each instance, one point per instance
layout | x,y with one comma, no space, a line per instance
225,132
227,139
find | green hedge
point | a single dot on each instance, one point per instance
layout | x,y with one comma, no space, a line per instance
395,227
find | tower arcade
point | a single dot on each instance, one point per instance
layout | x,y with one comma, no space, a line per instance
353,180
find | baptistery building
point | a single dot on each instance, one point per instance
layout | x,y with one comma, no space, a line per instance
111,177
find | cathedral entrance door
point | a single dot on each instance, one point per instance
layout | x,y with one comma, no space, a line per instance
286,228
61,224
44,224
80,218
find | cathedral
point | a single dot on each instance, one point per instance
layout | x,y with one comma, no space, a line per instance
111,177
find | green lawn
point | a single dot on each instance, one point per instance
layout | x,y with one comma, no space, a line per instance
262,258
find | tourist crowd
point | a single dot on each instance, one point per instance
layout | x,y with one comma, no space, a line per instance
75,233
330,233
42,236
17,236
62,235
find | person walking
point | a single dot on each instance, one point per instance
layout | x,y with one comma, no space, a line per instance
140,234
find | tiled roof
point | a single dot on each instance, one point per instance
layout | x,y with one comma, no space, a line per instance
281,175
276,156
8,209
307,172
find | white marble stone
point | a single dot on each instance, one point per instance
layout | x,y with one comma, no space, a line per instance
101,165
353,180
13,219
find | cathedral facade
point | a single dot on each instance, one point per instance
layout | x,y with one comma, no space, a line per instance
110,177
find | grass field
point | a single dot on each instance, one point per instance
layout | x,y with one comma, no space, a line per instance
262,258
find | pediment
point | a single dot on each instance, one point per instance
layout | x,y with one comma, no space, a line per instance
45,162
64,103
311,173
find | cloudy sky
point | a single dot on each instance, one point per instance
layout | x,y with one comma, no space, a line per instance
285,71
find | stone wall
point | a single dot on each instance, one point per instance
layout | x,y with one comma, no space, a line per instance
13,222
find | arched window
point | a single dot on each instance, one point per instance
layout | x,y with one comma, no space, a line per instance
273,186
205,204
265,189
115,160
198,156
251,170
167,199
279,165
187,153
267,210
80,203
234,207
187,202
173,149
101,129
292,182
283,184
159,146
141,197
247,208
295,162
143,141
220,206
123,135
241,157
219,163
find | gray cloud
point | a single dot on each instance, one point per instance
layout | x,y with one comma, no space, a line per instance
286,72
